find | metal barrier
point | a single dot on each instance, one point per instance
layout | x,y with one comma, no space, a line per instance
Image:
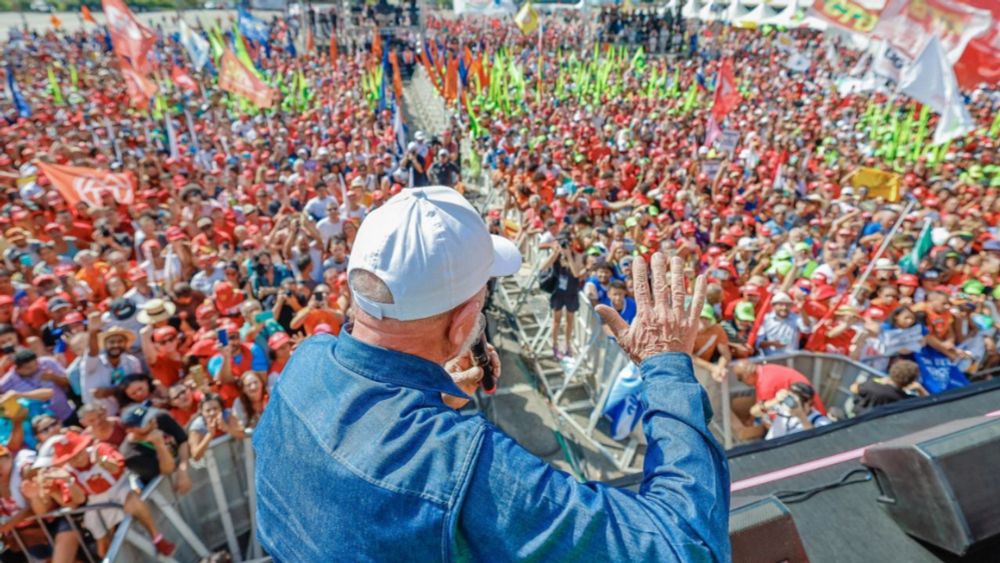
218,512
578,390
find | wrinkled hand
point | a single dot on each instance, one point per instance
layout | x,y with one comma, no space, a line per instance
661,323
467,375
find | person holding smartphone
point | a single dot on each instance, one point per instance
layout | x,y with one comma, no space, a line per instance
318,311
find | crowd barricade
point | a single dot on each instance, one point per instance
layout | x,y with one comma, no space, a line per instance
216,515
578,388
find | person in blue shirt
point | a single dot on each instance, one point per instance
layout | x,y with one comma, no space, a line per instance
617,298
596,286
362,429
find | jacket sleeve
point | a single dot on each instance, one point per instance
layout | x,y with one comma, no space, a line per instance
519,507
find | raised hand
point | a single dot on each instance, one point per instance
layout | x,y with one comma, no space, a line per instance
662,323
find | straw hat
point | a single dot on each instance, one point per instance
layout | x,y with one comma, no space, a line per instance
156,310
127,334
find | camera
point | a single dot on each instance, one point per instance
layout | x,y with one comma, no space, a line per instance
790,401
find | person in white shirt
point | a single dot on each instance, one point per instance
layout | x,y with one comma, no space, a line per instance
795,412
781,330
317,205
331,225
210,272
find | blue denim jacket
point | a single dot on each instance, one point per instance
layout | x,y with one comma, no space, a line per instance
358,459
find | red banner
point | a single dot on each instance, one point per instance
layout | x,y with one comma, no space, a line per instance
129,37
140,89
981,60
909,24
78,184
238,79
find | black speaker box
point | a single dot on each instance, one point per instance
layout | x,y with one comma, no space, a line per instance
761,530
942,485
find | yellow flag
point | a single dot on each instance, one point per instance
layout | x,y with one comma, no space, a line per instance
879,183
627,6
527,19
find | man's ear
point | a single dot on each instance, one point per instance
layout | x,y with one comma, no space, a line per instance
463,320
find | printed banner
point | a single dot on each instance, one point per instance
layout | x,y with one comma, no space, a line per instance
78,184
910,24
851,15
878,183
140,89
937,372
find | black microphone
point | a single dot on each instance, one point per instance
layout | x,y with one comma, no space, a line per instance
482,358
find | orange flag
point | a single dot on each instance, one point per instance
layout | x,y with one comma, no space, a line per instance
397,80
310,42
333,49
78,184
377,44
451,80
56,22
86,15
140,89
236,78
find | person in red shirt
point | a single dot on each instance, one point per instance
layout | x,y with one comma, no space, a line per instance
837,335
100,470
184,403
766,380
160,347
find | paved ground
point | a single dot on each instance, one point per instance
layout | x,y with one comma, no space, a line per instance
71,21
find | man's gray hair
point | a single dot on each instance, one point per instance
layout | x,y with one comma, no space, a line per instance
369,286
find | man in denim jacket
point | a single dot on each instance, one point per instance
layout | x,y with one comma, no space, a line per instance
362,457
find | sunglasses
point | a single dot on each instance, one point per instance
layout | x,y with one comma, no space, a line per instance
47,428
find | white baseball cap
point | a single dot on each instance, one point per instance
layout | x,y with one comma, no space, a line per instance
433,251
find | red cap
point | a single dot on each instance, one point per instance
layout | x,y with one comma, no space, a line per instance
175,233
277,340
164,333
908,280
137,273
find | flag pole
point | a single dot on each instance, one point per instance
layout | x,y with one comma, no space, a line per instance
881,249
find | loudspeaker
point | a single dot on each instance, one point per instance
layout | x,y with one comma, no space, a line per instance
761,530
941,485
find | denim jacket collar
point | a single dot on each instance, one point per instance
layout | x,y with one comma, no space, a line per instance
410,371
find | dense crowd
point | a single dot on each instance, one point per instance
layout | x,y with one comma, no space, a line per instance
133,335
801,255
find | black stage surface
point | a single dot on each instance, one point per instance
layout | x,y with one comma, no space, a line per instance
846,524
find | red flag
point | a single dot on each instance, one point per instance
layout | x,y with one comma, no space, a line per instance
129,37
182,79
762,310
78,184
310,42
234,77
980,62
333,49
86,15
727,97
140,88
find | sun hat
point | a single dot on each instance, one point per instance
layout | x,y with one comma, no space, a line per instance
432,250
156,310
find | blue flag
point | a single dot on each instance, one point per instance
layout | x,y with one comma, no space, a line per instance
252,28
937,372
624,406
15,95
291,45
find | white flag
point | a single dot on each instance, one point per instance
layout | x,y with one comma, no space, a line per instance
798,62
196,46
931,81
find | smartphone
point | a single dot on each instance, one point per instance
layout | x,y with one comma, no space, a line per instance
223,336
263,316
197,375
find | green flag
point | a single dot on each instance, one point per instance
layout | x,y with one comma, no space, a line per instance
911,261
74,78
691,98
54,88
995,128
